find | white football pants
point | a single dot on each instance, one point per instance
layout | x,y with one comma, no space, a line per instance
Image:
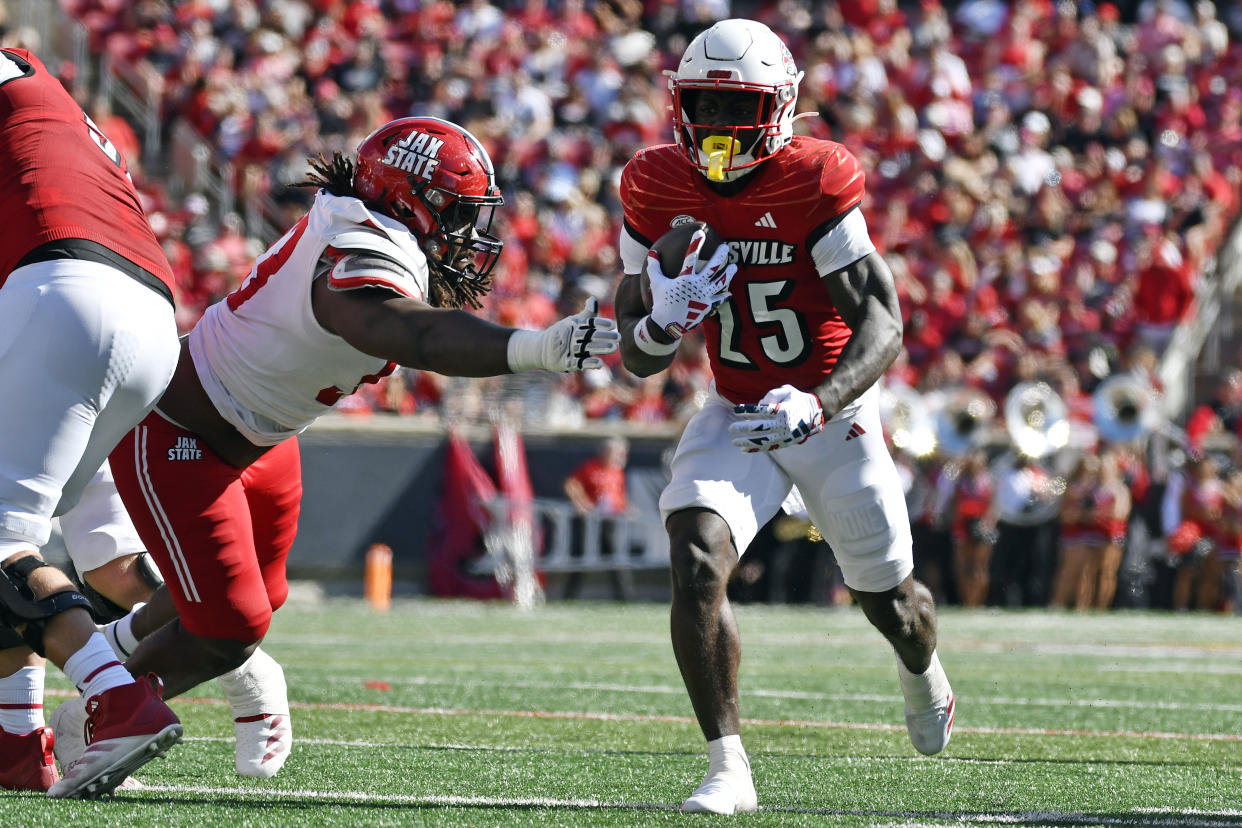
85,352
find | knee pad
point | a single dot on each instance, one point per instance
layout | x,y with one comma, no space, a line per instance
20,609
103,609
150,573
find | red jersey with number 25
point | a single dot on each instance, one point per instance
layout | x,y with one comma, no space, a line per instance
60,177
780,326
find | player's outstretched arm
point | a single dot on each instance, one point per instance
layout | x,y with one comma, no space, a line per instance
866,297
455,342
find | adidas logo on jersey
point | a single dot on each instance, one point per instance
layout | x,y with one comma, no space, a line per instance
186,448
855,431
767,221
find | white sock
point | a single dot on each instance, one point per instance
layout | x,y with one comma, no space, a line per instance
923,690
94,668
256,687
21,701
727,753
120,634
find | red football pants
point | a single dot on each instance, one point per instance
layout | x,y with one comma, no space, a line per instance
220,535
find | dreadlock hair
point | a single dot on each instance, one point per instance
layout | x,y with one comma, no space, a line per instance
457,293
337,177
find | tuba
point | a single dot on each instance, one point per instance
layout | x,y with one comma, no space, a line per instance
1124,409
908,419
963,422
1037,419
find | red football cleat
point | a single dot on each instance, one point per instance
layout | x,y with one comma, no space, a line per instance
26,762
126,727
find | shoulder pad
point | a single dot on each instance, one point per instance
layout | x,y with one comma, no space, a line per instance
358,269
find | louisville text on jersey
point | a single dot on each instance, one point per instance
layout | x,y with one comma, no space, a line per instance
761,252
417,153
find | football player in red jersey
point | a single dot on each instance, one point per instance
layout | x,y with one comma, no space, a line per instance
374,275
87,345
797,341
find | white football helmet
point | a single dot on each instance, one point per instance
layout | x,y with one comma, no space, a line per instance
743,56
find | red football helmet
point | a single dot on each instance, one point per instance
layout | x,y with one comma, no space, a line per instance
436,179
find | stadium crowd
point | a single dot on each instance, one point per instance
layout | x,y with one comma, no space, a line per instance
1048,181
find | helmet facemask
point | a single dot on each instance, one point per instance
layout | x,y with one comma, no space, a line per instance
727,151
461,248
735,56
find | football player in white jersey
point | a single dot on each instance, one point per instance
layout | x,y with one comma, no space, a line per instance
375,275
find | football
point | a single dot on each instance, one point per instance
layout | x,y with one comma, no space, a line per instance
671,250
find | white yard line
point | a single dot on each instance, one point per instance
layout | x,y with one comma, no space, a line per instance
645,717
671,690
1195,819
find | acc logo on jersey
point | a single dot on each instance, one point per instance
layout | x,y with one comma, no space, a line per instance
678,221
417,153
186,448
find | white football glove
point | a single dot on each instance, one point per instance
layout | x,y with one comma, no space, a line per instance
785,416
680,304
576,343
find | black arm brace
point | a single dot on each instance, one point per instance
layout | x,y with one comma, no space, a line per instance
20,610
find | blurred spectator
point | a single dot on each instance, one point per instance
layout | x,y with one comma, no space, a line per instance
1094,515
1025,513
1200,509
966,490
596,488
1164,294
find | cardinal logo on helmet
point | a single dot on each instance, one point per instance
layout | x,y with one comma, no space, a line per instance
787,61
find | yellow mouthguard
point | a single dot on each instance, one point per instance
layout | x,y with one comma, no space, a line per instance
719,148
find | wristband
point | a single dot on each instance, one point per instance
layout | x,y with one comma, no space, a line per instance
642,338
525,351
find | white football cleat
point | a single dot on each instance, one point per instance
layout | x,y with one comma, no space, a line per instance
259,700
263,743
68,722
930,706
931,729
727,789
126,727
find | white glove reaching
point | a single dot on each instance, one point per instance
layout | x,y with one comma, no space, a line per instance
576,343
680,304
783,417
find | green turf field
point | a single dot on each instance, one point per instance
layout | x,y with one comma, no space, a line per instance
447,713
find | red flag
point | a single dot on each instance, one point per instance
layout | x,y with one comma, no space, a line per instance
461,519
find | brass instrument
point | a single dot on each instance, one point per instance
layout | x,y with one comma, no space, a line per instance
908,417
962,423
1124,409
1037,419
